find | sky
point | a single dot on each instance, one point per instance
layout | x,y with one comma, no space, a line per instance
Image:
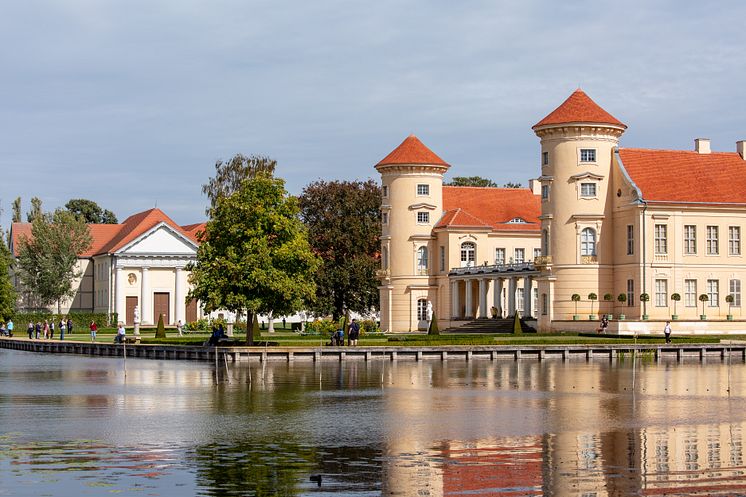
130,103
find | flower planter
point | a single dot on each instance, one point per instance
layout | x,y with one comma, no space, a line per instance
575,317
703,317
622,317
592,317
609,317
730,317
645,317
674,317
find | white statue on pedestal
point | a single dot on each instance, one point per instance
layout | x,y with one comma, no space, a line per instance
136,313
429,311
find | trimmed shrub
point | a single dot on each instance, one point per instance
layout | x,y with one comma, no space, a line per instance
517,329
160,331
81,320
433,326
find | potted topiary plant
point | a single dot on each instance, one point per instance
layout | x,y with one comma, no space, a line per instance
644,298
592,297
675,297
608,298
622,298
703,298
730,300
575,298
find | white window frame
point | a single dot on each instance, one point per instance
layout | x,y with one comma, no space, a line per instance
734,240
519,255
661,293
537,253
423,217
587,155
588,243
661,239
713,293
423,190
499,255
588,190
422,260
690,239
735,289
520,299
713,242
468,254
690,293
422,309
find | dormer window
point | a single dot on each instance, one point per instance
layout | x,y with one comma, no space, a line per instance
517,220
423,190
587,155
588,190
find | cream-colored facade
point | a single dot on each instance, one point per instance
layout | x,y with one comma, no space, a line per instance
615,225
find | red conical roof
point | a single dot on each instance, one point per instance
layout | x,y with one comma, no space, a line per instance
579,108
412,151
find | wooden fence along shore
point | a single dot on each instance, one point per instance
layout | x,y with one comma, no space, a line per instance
609,352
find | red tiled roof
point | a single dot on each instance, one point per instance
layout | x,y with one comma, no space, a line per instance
108,238
412,151
469,206
579,108
684,176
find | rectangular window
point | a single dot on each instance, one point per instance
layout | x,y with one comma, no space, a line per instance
384,218
520,256
537,253
588,190
534,301
544,304
712,240
630,239
384,191
500,256
545,192
690,293
661,239
713,293
423,218
519,295
587,155
630,293
545,158
661,293
735,290
442,258
423,190
734,240
690,239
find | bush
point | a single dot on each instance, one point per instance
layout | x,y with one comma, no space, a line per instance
368,326
324,327
160,332
81,320
198,325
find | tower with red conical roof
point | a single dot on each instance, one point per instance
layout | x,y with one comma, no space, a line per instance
578,140
411,204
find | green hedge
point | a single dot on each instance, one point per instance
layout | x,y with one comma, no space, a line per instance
81,320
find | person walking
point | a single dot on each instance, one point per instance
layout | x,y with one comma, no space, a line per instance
51,329
69,325
354,333
9,327
45,329
63,328
94,329
667,331
180,328
37,329
30,331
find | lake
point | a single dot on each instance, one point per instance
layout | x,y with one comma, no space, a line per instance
78,426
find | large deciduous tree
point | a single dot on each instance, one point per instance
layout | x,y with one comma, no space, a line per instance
90,211
344,225
229,175
47,262
471,181
35,211
254,255
17,210
8,295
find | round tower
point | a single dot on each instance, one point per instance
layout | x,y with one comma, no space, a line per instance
578,140
411,204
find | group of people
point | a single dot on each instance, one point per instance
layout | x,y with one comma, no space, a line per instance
605,324
46,329
6,329
353,334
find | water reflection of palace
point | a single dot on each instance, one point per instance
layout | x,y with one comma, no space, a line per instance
575,435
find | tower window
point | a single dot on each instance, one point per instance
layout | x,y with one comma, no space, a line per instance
423,218
588,242
384,191
423,190
422,260
587,155
545,192
588,190
545,158
384,218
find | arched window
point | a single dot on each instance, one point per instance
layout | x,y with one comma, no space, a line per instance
422,309
422,260
588,241
385,258
468,254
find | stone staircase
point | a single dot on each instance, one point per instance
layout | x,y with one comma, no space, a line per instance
488,326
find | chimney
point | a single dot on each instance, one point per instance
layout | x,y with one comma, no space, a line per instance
702,145
535,186
741,148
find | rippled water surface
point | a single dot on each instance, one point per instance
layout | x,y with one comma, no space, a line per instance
77,426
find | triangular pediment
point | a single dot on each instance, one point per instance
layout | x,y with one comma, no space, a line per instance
161,239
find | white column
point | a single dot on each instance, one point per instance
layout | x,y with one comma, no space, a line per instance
511,296
120,302
483,298
497,295
467,299
179,302
454,299
146,311
527,297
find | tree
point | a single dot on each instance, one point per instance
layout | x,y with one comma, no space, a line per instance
510,184
17,210
8,295
344,223
675,297
90,211
254,255
592,297
703,298
472,181
160,331
575,298
35,211
230,175
47,262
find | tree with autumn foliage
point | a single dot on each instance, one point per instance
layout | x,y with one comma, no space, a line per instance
344,225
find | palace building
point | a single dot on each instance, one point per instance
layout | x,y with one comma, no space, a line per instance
638,234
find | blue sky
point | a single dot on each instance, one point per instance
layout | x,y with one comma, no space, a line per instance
129,103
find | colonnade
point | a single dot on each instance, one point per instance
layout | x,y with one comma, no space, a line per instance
490,294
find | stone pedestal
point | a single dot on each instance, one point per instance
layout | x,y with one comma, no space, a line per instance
137,330
229,329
